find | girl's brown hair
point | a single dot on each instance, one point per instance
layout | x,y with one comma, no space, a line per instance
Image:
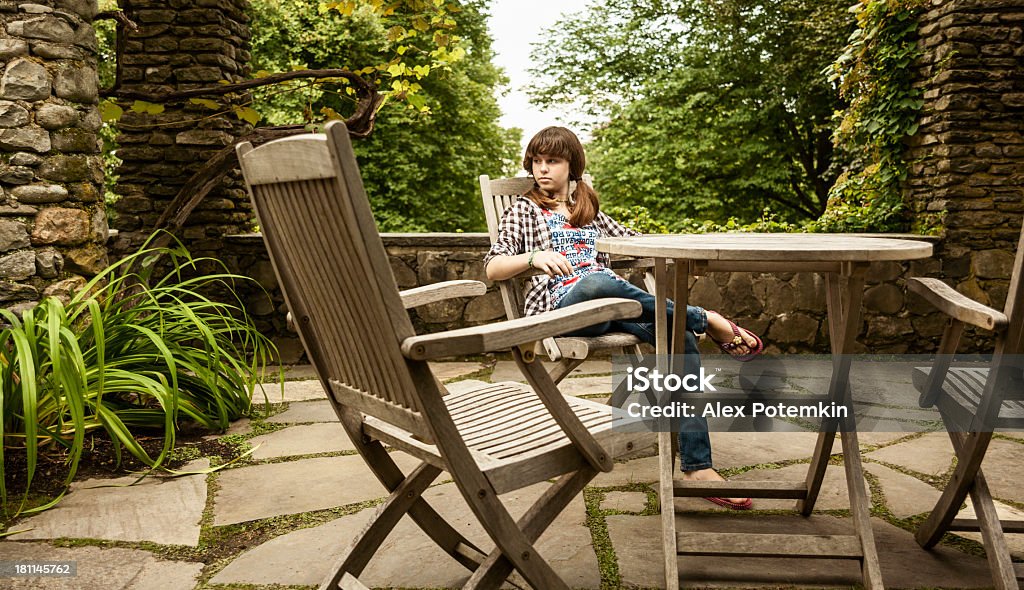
562,143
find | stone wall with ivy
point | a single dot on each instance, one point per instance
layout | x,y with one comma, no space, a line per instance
180,45
52,220
787,308
967,157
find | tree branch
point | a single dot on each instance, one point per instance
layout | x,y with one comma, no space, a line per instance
362,86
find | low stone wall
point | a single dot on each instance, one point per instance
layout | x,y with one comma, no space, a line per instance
787,308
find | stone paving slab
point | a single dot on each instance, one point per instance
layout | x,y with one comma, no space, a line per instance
585,385
294,391
465,385
1003,468
109,569
158,509
931,454
643,470
624,501
446,371
903,563
262,491
833,495
879,437
508,371
306,439
304,556
1015,542
739,449
291,373
904,495
311,411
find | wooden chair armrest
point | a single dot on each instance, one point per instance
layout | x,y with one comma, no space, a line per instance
956,305
511,333
441,291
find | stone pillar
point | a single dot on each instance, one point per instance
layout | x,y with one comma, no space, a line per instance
180,44
53,226
967,159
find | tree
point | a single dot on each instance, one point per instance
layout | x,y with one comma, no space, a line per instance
410,55
712,109
421,164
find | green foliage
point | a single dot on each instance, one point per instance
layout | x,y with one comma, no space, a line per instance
419,169
715,109
874,75
637,218
131,353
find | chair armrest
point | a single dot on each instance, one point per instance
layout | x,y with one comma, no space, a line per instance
510,333
441,291
956,305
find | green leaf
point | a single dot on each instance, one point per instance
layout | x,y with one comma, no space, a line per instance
141,106
249,115
110,111
206,102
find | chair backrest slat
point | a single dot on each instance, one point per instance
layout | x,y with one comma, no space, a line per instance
332,267
498,195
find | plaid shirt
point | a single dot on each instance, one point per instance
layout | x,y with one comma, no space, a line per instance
523,229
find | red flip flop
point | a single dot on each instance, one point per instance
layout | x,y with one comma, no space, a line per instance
738,340
745,505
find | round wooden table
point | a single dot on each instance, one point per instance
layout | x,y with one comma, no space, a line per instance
839,258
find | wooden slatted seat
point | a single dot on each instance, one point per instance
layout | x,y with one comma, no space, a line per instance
961,396
351,319
973,401
498,195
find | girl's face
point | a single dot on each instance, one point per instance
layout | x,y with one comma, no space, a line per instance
551,173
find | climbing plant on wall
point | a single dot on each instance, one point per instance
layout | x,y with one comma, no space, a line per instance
874,76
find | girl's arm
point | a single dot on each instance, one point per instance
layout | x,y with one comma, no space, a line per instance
500,267
507,257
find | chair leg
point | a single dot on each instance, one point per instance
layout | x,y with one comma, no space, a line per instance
383,521
387,472
970,449
994,541
496,568
996,550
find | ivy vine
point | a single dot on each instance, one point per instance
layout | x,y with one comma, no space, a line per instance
873,74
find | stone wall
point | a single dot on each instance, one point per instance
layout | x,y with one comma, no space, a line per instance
52,220
180,44
968,156
787,308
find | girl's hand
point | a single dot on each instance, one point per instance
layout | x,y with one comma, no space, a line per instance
553,263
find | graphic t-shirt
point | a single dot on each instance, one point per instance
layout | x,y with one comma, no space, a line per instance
578,245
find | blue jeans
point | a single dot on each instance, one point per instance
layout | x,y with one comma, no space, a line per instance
694,443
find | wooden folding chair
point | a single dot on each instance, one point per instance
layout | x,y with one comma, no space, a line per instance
333,269
973,402
569,352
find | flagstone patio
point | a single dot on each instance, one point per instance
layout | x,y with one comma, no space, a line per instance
278,518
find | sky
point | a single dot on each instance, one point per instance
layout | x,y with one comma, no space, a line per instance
514,26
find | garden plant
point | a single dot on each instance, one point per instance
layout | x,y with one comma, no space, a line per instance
141,348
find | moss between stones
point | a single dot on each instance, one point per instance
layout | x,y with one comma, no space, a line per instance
607,563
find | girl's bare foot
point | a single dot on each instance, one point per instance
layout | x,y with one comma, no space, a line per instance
711,475
720,330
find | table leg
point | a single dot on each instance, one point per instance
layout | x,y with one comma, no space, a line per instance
844,315
666,460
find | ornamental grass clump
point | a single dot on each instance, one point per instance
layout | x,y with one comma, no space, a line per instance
132,354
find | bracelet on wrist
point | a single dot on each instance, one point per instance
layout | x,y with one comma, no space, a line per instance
529,261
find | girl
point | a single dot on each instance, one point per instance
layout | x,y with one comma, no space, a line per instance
553,228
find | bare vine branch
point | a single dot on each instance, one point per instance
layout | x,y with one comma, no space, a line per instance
362,86
120,17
